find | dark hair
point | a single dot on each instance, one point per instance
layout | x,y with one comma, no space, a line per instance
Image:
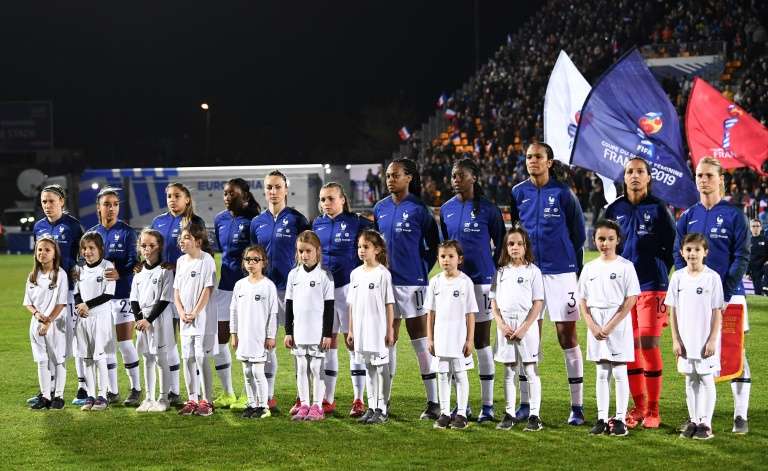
189,211
472,167
372,236
160,242
504,258
262,253
252,207
199,233
37,266
55,189
647,169
695,238
452,244
558,171
410,168
106,191
341,192
608,224
95,237
278,173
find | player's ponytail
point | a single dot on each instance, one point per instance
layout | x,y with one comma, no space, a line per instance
252,207
410,168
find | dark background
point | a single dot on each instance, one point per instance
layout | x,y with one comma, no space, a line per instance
288,82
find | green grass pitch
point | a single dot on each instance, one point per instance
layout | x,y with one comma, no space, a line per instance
119,438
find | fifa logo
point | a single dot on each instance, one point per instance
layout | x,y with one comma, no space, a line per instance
572,126
648,124
734,112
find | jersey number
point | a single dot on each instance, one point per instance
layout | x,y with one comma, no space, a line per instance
486,302
572,300
660,306
123,306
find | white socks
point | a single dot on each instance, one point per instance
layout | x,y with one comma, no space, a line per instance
700,396
150,375
80,369
375,383
331,373
44,378
204,366
621,381
524,387
318,382
223,362
131,362
255,384
102,371
191,379
603,390
270,371
174,365
305,366
533,385
740,387
486,370
509,389
357,372
462,392
574,366
111,359
427,367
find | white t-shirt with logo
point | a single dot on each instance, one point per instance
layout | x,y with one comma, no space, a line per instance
193,275
605,284
309,291
515,288
253,317
91,283
451,299
369,293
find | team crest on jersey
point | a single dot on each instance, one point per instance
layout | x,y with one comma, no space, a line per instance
520,279
51,286
240,227
472,214
456,294
699,290
646,217
154,281
117,236
343,226
312,284
719,220
613,276
285,221
370,285
257,297
405,215
61,228
193,274
551,199
99,279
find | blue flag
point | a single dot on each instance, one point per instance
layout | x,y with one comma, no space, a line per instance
628,114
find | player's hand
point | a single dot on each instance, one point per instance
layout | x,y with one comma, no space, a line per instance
709,349
325,344
269,344
389,340
288,341
468,348
431,346
111,274
142,325
350,341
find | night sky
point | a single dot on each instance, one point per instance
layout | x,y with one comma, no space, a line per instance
287,81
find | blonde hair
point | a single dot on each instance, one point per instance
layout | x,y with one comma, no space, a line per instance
37,267
309,237
715,163
148,231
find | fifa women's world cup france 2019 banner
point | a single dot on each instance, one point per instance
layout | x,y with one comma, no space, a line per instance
627,114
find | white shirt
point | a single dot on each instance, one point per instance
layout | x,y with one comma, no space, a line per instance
694,298
150,286
253,315
309,291
515,288
193,275
605,285
369,293
91,283
44,295
451,300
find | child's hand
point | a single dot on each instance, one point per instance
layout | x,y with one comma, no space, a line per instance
507,331
142,325
350,341
269,344
709,348
431,346
389,340
82,310
594,329
42,329
678,349
233,341
111,274
40,317
602,334
325,344
288,341
468,348
518,334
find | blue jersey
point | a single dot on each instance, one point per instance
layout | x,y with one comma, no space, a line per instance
338,237
647,239
553,219
474,230
410,232
170,227
120,249
278,237
66,231
726,229
233,236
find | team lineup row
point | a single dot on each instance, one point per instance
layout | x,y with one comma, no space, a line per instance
646,236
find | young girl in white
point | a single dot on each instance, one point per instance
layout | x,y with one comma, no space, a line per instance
608,288
309,322
517,298
46,297
695,300
253,326
93,293
371,316
151,297
451,307
193,284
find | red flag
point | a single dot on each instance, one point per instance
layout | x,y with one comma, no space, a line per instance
731,343
715,127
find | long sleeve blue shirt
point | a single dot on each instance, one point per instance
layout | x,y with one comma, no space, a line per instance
411,234
120,249
647,239
338,237
277,234
66,231
474,229
553,219
232,235
170,227
726,229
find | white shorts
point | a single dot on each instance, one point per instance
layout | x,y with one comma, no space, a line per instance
121,311
259,359
526,350
619,347
220,304
483,303
198,346
95,336
371,358
159,337
454,365
280,307
409,301
704,366
308,350
741,299
52,346
340,310
560,299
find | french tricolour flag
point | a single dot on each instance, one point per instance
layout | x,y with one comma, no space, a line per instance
441,100
404,133
450,114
